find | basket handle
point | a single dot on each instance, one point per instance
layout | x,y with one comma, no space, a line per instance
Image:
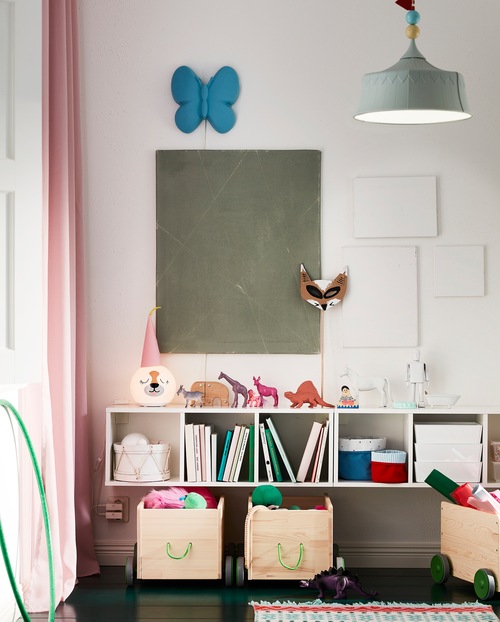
301,553
181,556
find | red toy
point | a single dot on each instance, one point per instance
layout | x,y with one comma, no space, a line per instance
306,394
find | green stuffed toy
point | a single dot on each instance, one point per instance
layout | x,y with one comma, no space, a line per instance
267,495
194,501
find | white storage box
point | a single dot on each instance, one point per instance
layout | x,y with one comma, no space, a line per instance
457,471
142,463
446,452
495,471
442,432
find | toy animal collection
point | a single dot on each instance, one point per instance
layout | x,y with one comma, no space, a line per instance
305,394
336,580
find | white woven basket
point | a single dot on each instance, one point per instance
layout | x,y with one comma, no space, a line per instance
142,463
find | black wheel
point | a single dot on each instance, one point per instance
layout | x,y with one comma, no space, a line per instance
440,568
131,567
129,571
240,571
228,570
484,584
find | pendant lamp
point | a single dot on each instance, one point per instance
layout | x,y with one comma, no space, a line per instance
413,91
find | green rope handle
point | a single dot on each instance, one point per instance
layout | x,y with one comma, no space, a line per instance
301,554
181,556
9,408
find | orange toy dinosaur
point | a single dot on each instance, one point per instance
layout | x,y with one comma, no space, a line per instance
306,394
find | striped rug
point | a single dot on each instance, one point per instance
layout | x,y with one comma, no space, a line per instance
319,611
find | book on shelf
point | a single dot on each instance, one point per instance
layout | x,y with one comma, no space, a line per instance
197,452
309,451
316,456
251,453
232,451
241,453
208,452
225,452
321,451
213,456
241,435
274,456
265,452
189,451
281,449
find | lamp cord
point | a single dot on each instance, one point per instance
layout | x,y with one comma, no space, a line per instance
10,410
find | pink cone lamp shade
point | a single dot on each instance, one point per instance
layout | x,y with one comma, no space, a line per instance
152,384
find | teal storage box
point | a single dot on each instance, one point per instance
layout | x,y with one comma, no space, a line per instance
355,456
355,465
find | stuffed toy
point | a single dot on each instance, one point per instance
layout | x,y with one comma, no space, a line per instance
177,497
267,495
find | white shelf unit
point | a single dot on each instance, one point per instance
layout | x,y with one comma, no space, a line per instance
166,424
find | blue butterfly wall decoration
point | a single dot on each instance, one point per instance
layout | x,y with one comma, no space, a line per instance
198,101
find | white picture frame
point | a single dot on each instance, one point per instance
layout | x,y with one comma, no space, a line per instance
459,270
395,207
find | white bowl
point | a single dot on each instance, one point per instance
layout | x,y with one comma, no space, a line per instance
442,400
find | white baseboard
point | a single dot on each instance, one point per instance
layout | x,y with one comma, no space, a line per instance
356,555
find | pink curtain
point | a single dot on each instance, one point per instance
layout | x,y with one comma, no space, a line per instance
60,402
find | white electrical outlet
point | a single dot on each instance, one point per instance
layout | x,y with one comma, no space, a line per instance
118,504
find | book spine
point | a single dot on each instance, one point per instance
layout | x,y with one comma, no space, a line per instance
208,453
232,451
213,456
309,452
197,452
225,452
274,456
281,449
241,454
322,450
189,447
265,452
236,454
251,453
316,456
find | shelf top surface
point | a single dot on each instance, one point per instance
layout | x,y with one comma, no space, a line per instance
177,408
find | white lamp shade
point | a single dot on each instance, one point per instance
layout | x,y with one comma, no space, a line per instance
153,386
413,92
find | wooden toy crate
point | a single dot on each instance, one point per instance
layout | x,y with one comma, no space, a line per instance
470,548
289,544
180,543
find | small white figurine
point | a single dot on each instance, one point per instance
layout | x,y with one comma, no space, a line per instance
367,383
416,377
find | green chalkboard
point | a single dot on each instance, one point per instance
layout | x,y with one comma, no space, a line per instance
233,228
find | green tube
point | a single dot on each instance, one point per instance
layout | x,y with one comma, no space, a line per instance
9,409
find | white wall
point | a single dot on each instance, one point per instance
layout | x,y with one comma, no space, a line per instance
300,65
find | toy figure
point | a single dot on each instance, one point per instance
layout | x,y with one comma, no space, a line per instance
238,389
254,399
338,581
306,393
213,393
192,398
346,400
416,376
266,391
368,383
